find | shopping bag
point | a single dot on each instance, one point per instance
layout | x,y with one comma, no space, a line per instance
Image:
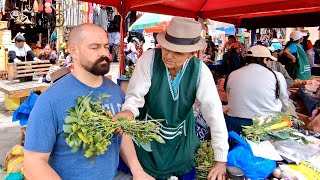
242,157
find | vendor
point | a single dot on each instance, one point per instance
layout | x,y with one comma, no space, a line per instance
254,90
20,51
232,39
296,61
165,86
47,53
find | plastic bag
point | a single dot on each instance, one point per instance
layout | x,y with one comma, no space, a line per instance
23,112
242,157
293,151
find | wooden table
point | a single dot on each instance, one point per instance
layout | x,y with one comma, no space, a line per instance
15,89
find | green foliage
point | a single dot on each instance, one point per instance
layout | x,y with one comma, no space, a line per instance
204,160
128,74
90,127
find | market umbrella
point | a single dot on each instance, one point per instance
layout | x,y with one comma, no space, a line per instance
151,22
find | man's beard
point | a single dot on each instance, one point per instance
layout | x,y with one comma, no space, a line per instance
97,68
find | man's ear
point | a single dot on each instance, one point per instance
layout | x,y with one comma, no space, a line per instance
73,50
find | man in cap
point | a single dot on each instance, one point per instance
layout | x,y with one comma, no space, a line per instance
165,85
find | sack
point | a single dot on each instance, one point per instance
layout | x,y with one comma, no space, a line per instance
242,157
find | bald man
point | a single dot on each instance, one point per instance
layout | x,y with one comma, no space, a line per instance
47,156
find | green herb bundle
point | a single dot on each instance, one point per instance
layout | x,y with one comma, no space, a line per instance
91,128
273,126
204,160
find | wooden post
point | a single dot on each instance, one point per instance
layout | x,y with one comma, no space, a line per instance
122,33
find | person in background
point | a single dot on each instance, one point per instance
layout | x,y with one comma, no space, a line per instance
54,67
276,44
46,154
47,53
165,84
254,90
306,43
232,60
316,49
131,50
20,51
232,39
140,47
296,61
310,54
211,48
277,66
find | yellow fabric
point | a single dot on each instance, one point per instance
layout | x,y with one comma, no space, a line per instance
11,104
14,160
85,6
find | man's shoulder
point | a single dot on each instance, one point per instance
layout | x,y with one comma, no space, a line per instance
113,86
61,86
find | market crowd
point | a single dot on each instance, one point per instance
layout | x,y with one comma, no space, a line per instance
166,83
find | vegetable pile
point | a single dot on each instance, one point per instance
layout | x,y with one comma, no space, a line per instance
89,126
276,126
204,160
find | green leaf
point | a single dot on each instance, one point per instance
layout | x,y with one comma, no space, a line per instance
158,138
97,137
70,119
67,128
146,146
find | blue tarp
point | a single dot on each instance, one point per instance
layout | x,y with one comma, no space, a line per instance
229,30
23,111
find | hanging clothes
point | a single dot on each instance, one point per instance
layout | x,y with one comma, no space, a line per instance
90,13
96,13
103,19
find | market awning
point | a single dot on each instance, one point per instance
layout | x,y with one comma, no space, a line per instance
231,11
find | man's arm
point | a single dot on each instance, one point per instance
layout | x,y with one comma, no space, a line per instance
36,166
129,156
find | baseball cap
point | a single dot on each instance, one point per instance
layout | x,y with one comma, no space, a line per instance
296,35
260,51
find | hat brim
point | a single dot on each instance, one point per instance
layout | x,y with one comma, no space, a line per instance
180,48
273,58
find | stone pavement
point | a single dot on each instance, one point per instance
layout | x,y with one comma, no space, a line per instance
10,131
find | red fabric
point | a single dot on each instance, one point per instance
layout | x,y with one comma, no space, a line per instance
221,10
228,10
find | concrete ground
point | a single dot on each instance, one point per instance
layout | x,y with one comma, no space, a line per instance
10,131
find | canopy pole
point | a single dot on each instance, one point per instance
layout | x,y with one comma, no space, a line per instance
253,36
122,31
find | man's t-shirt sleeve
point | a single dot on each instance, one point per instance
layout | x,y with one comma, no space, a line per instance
41,127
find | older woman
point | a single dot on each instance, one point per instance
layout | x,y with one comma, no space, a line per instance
165,85
47,53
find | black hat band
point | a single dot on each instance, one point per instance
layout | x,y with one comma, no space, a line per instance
182,41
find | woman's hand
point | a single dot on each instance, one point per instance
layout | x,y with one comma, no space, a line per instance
218,171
